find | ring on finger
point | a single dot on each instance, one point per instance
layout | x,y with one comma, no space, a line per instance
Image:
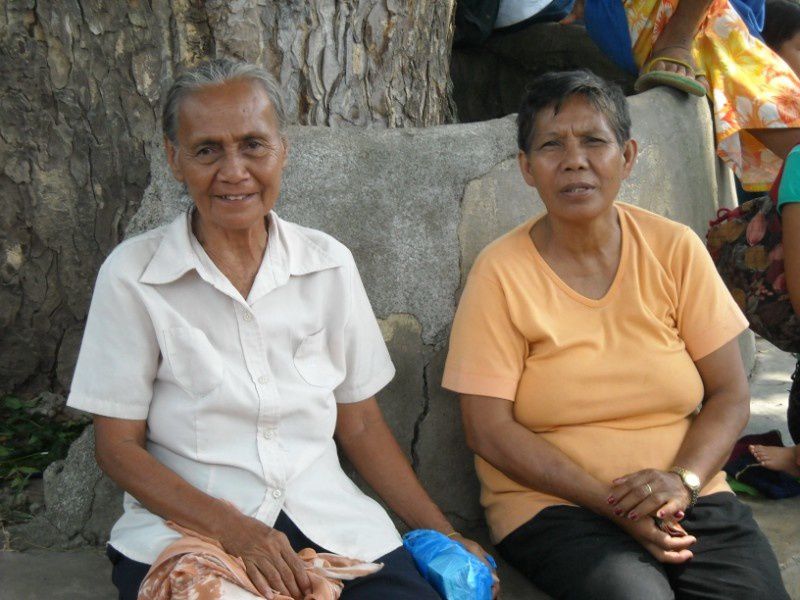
647,489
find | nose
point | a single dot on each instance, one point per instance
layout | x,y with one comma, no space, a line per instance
574,157
233,168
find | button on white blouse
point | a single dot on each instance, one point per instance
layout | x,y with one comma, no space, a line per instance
239,393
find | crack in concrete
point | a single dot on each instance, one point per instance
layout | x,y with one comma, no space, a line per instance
426,405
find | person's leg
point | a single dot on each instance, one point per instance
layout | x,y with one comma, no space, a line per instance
126,574
732,558
398,580
793,412
570,552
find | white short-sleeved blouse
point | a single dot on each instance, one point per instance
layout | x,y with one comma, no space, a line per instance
239,394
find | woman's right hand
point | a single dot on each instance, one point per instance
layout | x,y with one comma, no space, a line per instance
664,547
270,562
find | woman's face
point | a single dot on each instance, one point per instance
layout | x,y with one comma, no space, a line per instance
575,162
230,154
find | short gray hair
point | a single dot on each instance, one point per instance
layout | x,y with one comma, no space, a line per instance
214,72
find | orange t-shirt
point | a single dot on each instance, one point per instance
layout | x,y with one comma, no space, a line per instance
611,382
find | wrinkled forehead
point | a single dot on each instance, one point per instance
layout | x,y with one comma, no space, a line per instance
238,108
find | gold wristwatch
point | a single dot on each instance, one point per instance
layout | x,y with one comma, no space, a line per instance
690,481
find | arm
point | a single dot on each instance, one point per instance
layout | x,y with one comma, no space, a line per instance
369,444
790,219
494,435
708,442
269,560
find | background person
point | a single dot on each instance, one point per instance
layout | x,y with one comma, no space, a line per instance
583,344
223,351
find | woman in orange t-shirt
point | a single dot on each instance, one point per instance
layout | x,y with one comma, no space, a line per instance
585,342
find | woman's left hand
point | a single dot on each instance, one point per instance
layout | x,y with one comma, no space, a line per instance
649,492
476,549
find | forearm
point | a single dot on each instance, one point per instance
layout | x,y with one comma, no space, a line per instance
532,461
163,492
713,432
377,457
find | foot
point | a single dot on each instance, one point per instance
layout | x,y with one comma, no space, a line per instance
777,458
678,53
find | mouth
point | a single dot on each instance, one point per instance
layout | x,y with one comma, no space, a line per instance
577,189
234,197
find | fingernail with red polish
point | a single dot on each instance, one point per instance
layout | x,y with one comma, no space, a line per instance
679,514
633,516
617,511
611,500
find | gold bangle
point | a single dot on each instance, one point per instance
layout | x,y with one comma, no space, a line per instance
452,533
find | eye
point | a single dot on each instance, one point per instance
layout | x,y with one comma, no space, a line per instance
549,144
595,141
204,151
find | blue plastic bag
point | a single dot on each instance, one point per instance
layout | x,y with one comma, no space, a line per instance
449,567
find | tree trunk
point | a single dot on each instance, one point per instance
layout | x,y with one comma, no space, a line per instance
82,87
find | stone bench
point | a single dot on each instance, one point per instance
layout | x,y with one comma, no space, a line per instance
415,206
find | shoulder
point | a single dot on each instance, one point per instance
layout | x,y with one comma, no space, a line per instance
500,257
130,258
662,235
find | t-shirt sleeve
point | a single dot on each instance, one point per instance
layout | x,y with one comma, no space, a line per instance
707,315
789,187
119,353
487,352
369,367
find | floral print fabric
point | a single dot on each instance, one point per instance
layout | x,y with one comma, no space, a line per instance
751,86
745,244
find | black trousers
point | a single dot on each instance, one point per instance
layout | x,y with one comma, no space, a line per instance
398,580
570,552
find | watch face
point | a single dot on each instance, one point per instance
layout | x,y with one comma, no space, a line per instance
691,480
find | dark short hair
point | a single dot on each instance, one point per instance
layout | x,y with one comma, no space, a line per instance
781,22
552,89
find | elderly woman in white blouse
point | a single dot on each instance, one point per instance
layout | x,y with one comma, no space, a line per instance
222,353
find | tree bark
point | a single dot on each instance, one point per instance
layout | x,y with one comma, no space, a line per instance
83,81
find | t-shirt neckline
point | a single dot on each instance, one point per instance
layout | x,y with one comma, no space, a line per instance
585,300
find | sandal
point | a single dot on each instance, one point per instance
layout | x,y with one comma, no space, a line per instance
650,79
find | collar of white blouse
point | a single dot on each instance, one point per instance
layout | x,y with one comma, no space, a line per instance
289,253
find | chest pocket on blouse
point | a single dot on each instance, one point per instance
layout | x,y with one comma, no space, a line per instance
195,363
312,359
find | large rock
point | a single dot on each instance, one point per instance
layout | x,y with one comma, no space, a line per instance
416,206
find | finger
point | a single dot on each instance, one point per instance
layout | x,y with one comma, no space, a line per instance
675,558
257,579
677,544
274,578
298,570
632,499
287,577
671,509
649,506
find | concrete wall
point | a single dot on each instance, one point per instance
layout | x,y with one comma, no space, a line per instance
416,206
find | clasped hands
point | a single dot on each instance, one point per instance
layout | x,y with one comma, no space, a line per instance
649,505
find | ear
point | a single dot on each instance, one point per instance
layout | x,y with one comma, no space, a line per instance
629,153
172,159
525,168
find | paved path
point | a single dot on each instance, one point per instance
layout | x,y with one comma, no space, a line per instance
84,574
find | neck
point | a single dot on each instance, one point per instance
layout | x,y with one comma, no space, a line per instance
240,246
578,238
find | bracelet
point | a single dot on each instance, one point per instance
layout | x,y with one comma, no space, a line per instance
452,533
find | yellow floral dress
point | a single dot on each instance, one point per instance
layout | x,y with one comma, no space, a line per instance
751,86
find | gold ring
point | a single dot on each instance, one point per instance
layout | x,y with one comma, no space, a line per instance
647,489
